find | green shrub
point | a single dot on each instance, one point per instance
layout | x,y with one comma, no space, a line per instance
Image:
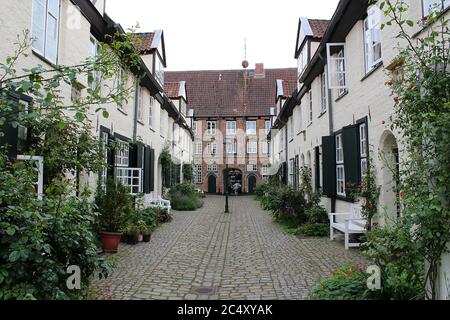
40,239
394,250
314,230
347,283
184,202
163,215
115,206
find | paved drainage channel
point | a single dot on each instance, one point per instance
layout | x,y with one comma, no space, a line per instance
204,290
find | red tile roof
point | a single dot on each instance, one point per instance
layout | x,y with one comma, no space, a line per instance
318,27
146,40
172,89
289,87
233,93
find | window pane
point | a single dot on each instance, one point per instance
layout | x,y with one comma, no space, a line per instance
53,7
38,25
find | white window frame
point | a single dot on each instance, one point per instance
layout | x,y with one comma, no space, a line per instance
372,31
252,147
323,93
40,44
198,174
363,148
267,126
231,128
337,61
302,62
311,107
130,178
211,128
265,170
212,148
122,154
340,181
150,111
212,167
198,148
339,149
427,5
195,127
94,48
251,167
140,105
250,129
231,146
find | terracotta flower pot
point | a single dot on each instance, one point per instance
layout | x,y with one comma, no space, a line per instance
110,241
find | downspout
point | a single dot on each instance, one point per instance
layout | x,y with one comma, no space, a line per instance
331,128
136,106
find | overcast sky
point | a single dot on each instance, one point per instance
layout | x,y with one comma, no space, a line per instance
209,34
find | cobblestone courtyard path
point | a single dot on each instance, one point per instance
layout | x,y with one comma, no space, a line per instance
208,254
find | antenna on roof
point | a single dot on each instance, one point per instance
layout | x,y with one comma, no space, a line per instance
245,62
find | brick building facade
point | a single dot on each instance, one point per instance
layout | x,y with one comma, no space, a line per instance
231,117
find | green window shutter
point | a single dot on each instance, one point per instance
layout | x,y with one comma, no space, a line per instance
140,155
351,154
133,156
147,171
329,166
152,170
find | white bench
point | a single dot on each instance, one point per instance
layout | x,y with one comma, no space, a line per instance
349,223
160,203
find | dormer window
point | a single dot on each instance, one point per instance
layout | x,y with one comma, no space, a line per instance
302,60
159,70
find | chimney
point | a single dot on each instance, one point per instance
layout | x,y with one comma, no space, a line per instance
259,70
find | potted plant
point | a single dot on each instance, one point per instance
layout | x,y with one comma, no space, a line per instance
142,227
114,206
132,234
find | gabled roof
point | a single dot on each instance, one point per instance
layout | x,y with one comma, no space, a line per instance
150,42
313,29
231,93
285,88
176,90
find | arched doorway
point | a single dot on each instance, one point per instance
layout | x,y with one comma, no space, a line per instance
251,184
212,184
389,196
234,178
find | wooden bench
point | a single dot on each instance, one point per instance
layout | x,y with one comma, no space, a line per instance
349,223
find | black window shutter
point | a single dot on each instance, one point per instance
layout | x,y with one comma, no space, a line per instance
147,169
329,166
111,157
133,156
140,155
351,154
317,167
152,170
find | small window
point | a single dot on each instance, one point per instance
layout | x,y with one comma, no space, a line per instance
267,126
251,127
434,5
339,149
310,104
265,147
231,128
94,76
212,127
198,175
45,28
150,111
252,168
323,93
231,146
212,148
198,148
252,147
140,105
340,180
336,67
302,60
195,127
372,38
363,140
122,154
212,168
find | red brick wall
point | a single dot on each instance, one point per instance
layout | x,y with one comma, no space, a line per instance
238,161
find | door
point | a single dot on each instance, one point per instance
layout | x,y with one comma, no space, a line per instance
251,184
212,184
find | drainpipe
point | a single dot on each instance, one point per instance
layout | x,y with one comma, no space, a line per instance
136,106
331,129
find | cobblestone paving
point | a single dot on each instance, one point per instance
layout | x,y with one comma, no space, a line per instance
242,255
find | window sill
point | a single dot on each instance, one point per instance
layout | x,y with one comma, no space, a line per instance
300,132
141,122
41,57
151,129
290,140
372,71
309,124
321,114
341,96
